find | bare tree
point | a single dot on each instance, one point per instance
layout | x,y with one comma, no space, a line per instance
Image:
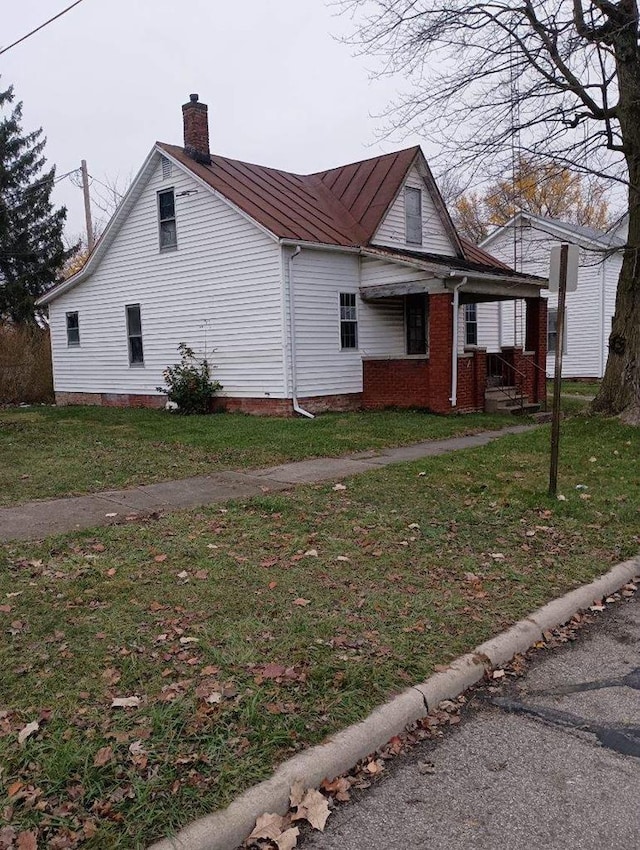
556,80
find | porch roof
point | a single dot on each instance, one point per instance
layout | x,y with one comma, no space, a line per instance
439,273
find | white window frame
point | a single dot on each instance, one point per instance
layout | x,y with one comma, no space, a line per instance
75,313
553,311
470,323
343,320
168,219
137,364
412,221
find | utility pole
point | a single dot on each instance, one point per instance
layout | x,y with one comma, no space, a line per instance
87,203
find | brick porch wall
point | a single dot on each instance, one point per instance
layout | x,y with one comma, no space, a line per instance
395,383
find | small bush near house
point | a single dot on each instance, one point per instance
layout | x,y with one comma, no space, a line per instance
25,365
188,383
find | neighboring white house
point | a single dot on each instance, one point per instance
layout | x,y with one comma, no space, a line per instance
306,292
526,243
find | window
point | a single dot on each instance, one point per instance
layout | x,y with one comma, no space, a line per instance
73,329
134,335
470,324
416,323
167,219
552,331
348,320
413,215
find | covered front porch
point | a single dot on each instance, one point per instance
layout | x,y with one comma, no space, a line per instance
444,368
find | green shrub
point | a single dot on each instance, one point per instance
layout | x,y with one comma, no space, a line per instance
188,383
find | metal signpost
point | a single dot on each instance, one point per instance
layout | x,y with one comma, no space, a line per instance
563,278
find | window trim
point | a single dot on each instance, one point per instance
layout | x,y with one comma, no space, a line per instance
408,190
169,190
342,321
471,323
408,300
137,364
552,350
77,328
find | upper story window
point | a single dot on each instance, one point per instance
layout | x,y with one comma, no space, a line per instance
413,215
416,320
348,320
167,220
73,330
134,335
470,324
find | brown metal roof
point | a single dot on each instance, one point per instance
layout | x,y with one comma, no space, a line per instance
342,206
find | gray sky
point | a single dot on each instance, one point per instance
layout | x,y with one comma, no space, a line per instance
109,78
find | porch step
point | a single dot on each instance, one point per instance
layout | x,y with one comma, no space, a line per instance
508,400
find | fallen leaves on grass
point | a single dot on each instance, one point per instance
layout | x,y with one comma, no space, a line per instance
27,731
276,831
125,702
103,756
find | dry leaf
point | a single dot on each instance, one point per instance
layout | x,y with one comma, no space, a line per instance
339,487
110,516
313,807
29,729
102,757
26,841
301,602
311,553
125,702
160,558
268,826
288,839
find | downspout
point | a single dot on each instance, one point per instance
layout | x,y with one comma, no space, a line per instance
454,348
292,333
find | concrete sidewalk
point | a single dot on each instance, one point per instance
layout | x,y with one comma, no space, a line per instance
35,520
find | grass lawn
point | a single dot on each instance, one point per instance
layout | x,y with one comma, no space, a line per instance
577,387
47,451
252,631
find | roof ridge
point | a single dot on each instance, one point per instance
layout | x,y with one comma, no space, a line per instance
359,233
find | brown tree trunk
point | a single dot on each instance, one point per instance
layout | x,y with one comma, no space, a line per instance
620,389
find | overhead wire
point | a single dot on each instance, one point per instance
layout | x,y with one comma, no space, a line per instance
42,26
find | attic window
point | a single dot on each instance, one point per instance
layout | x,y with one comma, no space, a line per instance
167,220
166,168
413,215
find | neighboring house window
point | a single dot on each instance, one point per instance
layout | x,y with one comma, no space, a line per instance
413,215
416,322
348,320
167,219
470,324
134,334
552,331
73,329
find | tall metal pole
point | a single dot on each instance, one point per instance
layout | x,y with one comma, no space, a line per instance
555,422
87,203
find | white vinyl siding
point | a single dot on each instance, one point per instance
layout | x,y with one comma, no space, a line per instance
220,293
589,309
392,230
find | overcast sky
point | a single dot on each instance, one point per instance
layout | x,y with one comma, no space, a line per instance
109,78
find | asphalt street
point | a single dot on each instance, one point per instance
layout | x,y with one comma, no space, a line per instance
548,761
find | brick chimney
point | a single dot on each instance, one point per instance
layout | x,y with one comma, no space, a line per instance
196,130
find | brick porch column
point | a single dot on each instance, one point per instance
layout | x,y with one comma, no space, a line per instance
440,348
536,341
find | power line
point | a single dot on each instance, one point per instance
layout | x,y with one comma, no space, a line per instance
42,26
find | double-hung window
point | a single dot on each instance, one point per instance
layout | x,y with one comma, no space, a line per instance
413,215
417,325
552,331
134,335
348,320
470,324
73,330
167,220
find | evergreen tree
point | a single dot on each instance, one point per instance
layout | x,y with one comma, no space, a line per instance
32,252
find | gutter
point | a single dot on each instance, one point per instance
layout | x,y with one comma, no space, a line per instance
454,345
603,304
292,332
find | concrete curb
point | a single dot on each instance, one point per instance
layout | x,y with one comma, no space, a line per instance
227,829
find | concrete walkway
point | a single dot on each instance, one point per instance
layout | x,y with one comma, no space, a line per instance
35,520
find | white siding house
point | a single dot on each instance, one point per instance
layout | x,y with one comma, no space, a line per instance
318,289
526,242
